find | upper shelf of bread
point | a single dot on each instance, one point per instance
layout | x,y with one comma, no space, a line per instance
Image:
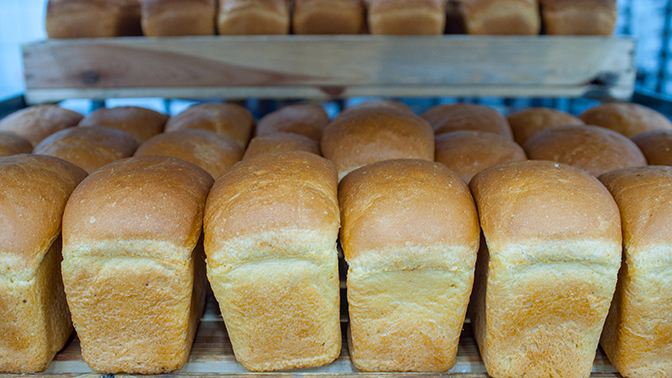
322,66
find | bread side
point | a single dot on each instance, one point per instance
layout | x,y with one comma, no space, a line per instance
253,17
92,18
328,17
501,17
579,17
404,17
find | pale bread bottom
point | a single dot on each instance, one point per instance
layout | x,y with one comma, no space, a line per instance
281,314
34,317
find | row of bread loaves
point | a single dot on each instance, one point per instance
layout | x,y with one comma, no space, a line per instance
113,18
543,265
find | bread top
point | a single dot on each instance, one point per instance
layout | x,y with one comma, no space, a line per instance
656,145
88,147
388,105
153,7
557,5
281,6
253,17
374,135
390,5
92,18
455,117
33,193
272,194
594,149
469,152
12,144
38,122
524,124
501,17
155,199
215,153
140,123
627,119
280,142
308,120
404,17
405,203
644,196
539,202
228,119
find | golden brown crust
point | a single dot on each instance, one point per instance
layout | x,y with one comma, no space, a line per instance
308,120
407,17
525,123
399,203
532,191
280,142
38,122
637,332
140,123
656,145
271,226
328,17
469,152
88,147
547,271
497,17
253,17
455,117
594,149
168,193
213,152
627,119
35,190
410,232
372,135
228,119
579,17
93,18
389,105
12,144
178,17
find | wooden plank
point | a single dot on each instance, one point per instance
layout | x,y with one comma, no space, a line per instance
329,67
212,355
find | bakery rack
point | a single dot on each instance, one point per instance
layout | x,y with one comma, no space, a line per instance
321,68
325,67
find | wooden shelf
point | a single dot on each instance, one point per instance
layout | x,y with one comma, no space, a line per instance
322,67
212,355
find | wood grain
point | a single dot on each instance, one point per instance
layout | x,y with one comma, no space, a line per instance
329,67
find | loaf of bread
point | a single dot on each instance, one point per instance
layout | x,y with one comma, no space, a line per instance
469,152
377,134
93,18
407,17
38,122
88,147
213,152
308,120
637,332
525,123
161,18
271,225
546,275
229,119
280,142
35,318
12,144
139,123
579,17
594,149
253,17
388,105
656,145
328,16
455,117
627,119
501,17
410,236
133,267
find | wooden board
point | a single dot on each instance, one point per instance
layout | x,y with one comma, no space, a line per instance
321,67
212,356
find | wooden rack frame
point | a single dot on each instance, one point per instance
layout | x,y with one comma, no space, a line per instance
324,67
